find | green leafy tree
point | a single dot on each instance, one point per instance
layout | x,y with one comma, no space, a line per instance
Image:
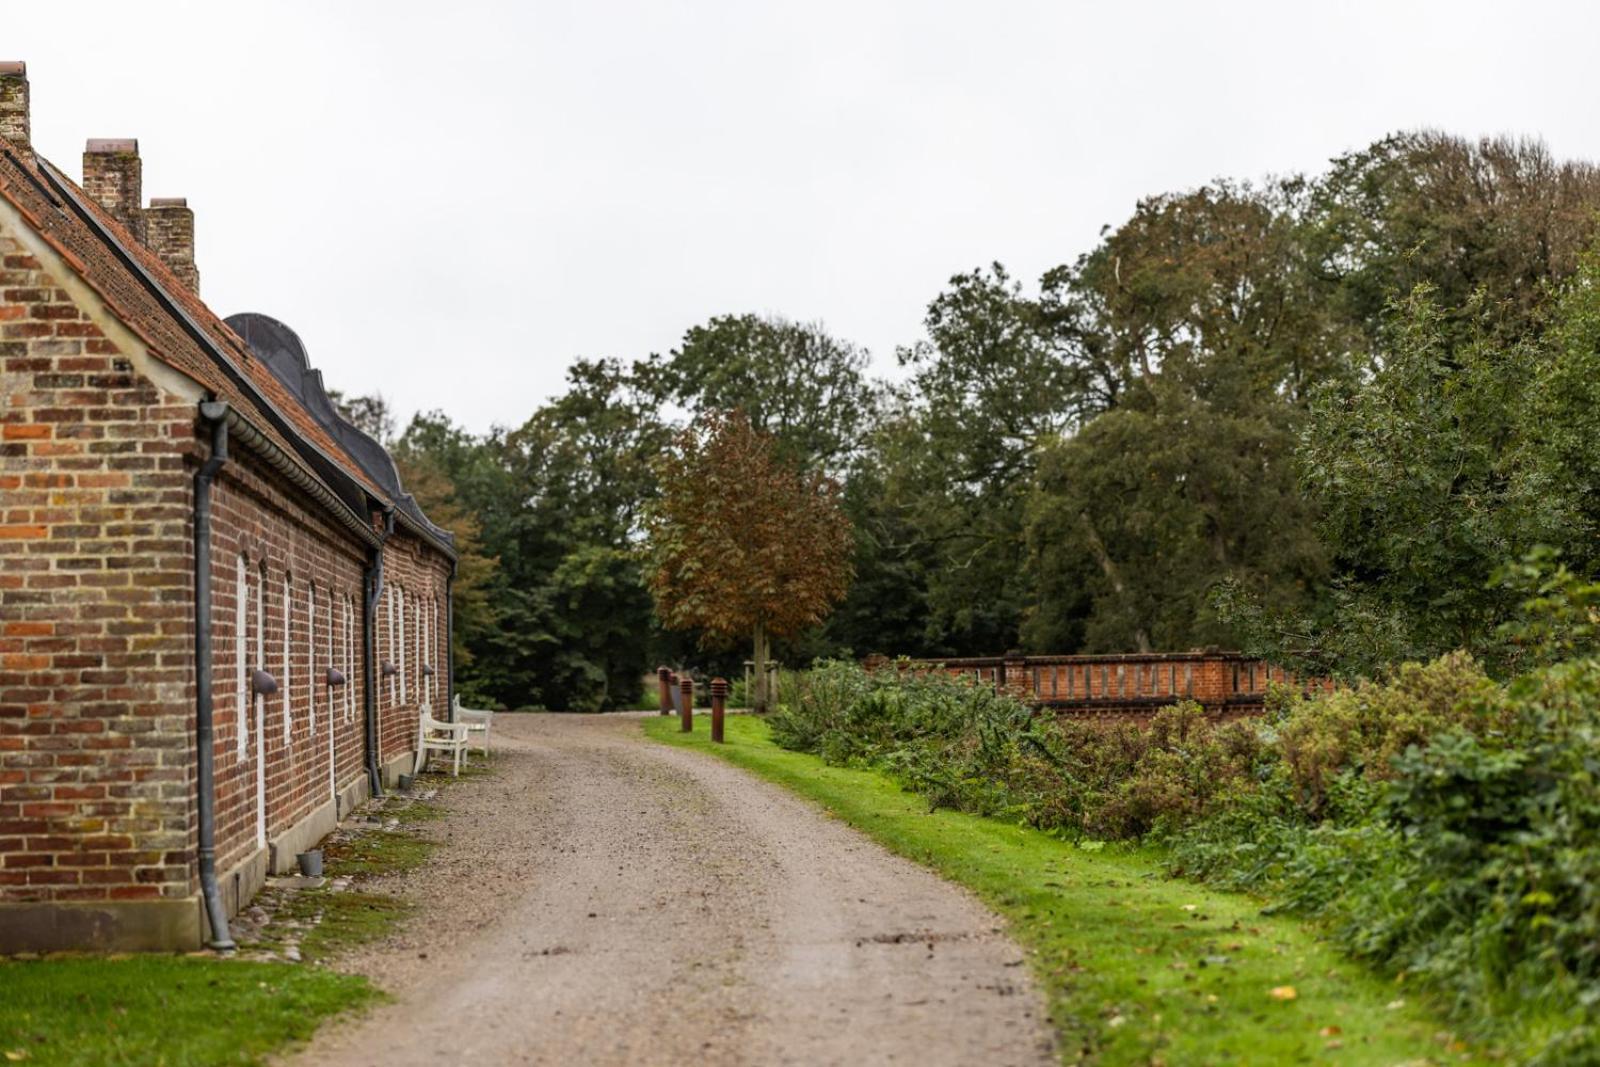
794,381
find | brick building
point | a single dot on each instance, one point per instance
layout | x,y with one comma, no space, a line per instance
219,610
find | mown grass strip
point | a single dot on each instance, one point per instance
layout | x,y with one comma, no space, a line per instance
171,1011
1138,968
176,1011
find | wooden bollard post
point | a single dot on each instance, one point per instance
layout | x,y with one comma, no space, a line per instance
686,689
719,697
664,679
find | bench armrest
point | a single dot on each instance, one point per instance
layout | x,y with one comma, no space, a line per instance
456,730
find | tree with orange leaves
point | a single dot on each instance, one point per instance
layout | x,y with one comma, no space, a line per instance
742,544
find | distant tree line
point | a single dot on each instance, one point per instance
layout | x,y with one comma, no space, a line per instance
1312,416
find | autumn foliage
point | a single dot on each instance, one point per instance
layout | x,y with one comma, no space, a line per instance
743,545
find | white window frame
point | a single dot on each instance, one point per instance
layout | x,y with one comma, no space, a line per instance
241,616
349,666
405,689
311,658
261,707
286,689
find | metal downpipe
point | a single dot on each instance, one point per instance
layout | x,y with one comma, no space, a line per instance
369,657
214,413
450,644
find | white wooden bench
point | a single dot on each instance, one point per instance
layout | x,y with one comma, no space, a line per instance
445,738
477,720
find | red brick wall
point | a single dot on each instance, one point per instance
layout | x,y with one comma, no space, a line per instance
414,576
95,686
273,782
97,786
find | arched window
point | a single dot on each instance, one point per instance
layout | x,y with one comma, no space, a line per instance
288,670
349,663
261,706
327,641
394,679
311,657
401,639
241,616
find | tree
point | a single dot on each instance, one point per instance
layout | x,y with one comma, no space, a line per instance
1469,445
558,501
473,613
793,380
369,414
742,543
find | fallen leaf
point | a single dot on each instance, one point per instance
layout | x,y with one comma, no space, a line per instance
1330,1031
1283,992
1115,1021
16,1055
1396,1005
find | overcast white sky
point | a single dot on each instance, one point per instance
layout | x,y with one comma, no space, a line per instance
451,201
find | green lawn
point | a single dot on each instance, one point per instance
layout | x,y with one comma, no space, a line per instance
178,1010
1139,968
163,1011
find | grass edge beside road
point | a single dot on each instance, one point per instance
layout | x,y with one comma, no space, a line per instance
1137,968
180,1010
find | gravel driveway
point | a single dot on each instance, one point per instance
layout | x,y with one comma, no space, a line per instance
603,899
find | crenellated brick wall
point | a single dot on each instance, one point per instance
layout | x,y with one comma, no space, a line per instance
1131,685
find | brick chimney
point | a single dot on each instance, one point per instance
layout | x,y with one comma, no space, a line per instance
169,226
114,177
14,103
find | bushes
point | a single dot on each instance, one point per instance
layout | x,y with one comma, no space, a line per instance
1439,825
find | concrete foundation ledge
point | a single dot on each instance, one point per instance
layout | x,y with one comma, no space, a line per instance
395,766
238,885
351,794
302,835
108,926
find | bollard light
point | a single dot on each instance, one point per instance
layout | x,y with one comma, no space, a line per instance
686,690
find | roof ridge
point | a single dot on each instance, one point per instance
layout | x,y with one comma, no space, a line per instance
174,323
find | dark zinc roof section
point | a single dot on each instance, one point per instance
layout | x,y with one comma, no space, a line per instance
284,354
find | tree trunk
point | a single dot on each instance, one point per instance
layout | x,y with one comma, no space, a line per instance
759,697
1097,548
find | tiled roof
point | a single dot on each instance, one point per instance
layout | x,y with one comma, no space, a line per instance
172,320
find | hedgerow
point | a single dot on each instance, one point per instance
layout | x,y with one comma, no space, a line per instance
1440,825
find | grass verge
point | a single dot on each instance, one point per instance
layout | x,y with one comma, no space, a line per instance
1138,968
168,1010
177,1011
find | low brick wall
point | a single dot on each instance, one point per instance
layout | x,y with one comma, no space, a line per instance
1129,685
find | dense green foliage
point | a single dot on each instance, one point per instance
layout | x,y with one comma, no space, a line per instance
1441,825
1311,416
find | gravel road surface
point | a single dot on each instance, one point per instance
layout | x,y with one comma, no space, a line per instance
603,899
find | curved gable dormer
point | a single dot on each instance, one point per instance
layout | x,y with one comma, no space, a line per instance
276,345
